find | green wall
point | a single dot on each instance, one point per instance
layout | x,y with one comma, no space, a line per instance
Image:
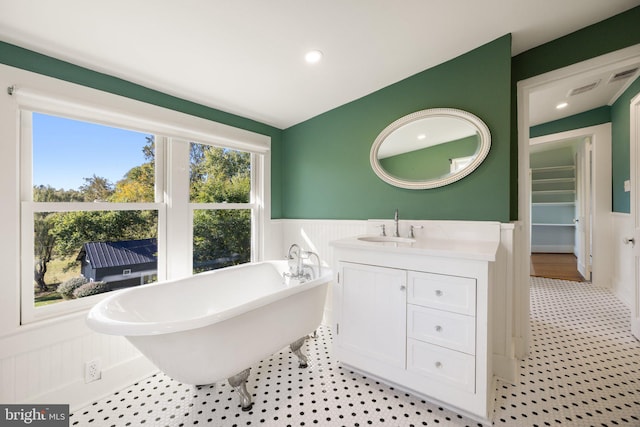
594,117
326,159
31,61
431,162
550,158
620,140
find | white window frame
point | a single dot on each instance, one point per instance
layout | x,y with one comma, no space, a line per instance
169,127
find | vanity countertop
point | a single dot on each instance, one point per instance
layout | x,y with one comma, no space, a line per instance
481,250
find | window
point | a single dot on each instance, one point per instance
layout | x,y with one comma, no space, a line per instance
220,200
95,216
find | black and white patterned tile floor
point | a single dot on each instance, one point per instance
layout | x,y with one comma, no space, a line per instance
584,364
583,370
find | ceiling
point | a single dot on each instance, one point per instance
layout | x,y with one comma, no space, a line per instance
588,89
246,57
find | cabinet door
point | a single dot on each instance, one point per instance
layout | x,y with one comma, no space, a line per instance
373,312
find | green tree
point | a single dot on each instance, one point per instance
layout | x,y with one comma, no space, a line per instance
46,193
73,229
44,239
96,188
219,175
220,237
44,242
138,185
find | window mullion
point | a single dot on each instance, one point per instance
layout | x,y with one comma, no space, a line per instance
179,218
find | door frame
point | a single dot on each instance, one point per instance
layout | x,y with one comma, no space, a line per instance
524,90
634,175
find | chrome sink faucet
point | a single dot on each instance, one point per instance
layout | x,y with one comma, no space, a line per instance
396,233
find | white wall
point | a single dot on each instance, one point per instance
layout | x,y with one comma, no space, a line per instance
622,279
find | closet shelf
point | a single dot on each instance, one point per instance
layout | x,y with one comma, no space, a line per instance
554,168
552,180
553,191
553,203
539,224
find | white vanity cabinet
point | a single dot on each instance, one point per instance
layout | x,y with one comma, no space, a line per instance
418,321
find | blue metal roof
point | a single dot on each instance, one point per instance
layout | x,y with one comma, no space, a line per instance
118,254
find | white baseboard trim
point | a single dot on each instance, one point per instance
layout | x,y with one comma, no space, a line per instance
77,394
619,289
505,368
521,347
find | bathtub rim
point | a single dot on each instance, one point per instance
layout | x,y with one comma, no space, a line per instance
98,320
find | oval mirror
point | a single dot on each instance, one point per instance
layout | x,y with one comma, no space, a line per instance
430,148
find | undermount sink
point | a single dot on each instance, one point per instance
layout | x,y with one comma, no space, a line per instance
386,239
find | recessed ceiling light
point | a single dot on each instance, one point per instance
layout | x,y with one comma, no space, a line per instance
313,56
422,136
561,105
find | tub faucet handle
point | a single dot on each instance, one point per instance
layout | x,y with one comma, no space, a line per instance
295,262
383,231
414,227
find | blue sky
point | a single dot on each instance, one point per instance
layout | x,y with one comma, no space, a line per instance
66,151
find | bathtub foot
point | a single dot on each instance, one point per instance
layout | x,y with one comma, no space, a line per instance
239,384
296,348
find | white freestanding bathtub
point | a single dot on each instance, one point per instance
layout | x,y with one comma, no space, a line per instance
216,325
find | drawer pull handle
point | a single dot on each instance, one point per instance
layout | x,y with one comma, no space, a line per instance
438,365
438,328
403,287
439,293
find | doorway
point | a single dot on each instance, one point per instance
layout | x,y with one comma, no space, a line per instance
561,206
528,91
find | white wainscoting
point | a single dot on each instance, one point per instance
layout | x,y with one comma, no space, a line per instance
45,363
622,281
315,235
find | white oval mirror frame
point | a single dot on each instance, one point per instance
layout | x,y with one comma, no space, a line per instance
451,113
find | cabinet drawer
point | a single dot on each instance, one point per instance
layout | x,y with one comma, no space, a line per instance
444,365
450,293
451,330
